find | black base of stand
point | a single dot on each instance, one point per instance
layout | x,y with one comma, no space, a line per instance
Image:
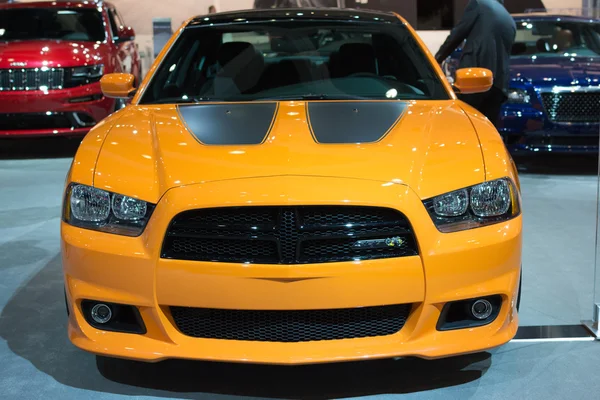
554,333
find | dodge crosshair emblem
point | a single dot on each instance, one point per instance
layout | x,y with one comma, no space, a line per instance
395,241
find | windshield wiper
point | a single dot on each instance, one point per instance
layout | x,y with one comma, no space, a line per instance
299,97
311,96
184,100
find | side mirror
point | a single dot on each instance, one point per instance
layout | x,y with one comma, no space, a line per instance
118,86
473,80
126,33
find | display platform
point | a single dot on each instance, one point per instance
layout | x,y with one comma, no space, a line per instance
558,268
298,197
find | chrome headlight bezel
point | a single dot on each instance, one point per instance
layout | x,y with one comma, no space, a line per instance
87,73
475,217
107,219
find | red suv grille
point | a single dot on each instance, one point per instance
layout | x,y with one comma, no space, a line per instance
32,79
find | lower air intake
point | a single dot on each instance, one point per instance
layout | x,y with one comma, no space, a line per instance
290,325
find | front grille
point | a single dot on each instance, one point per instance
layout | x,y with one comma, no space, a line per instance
572,107
34,121
290,325
31,79
289,235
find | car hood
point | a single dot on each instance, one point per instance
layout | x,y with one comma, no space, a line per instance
49,53
431,147
556,71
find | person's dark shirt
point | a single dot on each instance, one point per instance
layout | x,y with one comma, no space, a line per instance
489,31
294,3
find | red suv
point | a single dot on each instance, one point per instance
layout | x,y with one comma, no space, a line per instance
52,56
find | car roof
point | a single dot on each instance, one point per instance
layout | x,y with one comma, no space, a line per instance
296,14
552,17
57,4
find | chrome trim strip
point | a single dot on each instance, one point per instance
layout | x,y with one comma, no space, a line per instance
569,89
578,123
80,122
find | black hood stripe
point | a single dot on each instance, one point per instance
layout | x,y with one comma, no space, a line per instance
229,124
353,122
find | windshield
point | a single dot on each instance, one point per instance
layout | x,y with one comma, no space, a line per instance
294,60
51,23
549,38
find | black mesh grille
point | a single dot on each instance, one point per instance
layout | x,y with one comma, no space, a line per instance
252,250
572,107
289,235
33,121
290,326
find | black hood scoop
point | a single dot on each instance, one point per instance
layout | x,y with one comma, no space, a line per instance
229,124
342,122
353,122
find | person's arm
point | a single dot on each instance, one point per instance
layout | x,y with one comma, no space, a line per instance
460,31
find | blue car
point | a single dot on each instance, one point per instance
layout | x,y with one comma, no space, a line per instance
554,96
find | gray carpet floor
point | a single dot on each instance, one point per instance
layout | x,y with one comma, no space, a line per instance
37,361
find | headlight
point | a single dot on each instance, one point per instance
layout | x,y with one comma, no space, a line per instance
92,208
91,72
484,204
518,96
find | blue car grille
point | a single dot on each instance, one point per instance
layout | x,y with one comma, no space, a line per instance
572,107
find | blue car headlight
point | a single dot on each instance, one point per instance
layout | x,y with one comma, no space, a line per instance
518,96
92,208
479,205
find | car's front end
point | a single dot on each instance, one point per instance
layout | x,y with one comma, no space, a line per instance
206,291
50,76
553,101
251,220
554,96
552,118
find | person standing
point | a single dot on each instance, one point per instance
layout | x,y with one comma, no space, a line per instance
490,33
212,10
296,3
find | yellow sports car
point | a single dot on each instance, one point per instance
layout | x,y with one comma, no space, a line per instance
292,187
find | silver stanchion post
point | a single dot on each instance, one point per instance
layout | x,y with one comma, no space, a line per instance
593,324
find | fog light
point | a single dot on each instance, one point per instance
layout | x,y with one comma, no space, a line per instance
101,313
481,309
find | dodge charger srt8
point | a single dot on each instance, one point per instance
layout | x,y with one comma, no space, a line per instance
292,189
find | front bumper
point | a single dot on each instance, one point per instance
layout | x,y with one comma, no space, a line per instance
526,130
65,112
450,267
